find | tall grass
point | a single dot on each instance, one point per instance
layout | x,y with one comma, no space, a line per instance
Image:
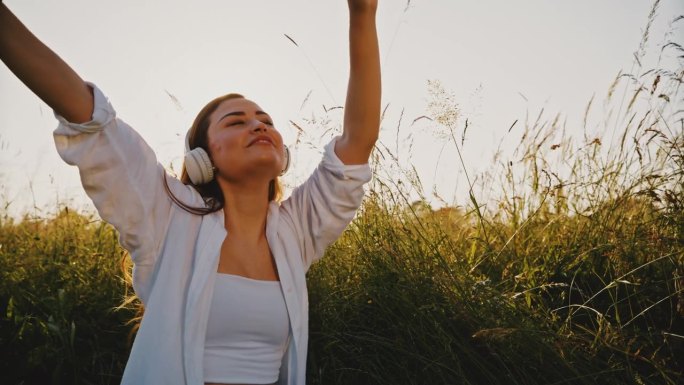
59,284
564,266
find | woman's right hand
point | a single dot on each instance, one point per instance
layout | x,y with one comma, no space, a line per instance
42,71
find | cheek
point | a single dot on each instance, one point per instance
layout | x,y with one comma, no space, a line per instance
215,147
279,138
219,143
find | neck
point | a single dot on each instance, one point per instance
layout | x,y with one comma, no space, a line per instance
245,209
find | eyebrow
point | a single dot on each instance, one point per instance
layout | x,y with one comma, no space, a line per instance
240,113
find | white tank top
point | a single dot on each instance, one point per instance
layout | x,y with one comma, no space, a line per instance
247,331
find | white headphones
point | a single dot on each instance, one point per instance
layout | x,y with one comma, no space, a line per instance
199,167
287,160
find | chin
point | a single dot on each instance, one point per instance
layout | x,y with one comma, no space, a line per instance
266,166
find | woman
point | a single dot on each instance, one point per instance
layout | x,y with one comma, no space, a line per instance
218,263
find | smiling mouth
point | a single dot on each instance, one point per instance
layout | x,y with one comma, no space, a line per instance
262,140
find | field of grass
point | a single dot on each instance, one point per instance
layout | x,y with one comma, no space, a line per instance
566,266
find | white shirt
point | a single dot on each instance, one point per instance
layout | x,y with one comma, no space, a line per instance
175,253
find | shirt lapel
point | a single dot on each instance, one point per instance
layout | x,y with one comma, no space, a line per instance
198,298
284,271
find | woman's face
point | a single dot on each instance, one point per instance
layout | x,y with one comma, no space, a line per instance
243,142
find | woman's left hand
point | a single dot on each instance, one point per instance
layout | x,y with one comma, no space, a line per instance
361,6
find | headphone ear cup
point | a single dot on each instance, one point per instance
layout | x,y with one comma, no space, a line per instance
287,161
198,166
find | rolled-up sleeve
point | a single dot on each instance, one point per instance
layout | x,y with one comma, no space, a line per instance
323,206
121,175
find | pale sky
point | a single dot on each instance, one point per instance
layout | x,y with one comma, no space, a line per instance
489,54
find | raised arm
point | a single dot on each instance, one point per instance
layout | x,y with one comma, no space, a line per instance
42,71
362,108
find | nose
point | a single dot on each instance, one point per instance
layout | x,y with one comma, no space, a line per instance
259,126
